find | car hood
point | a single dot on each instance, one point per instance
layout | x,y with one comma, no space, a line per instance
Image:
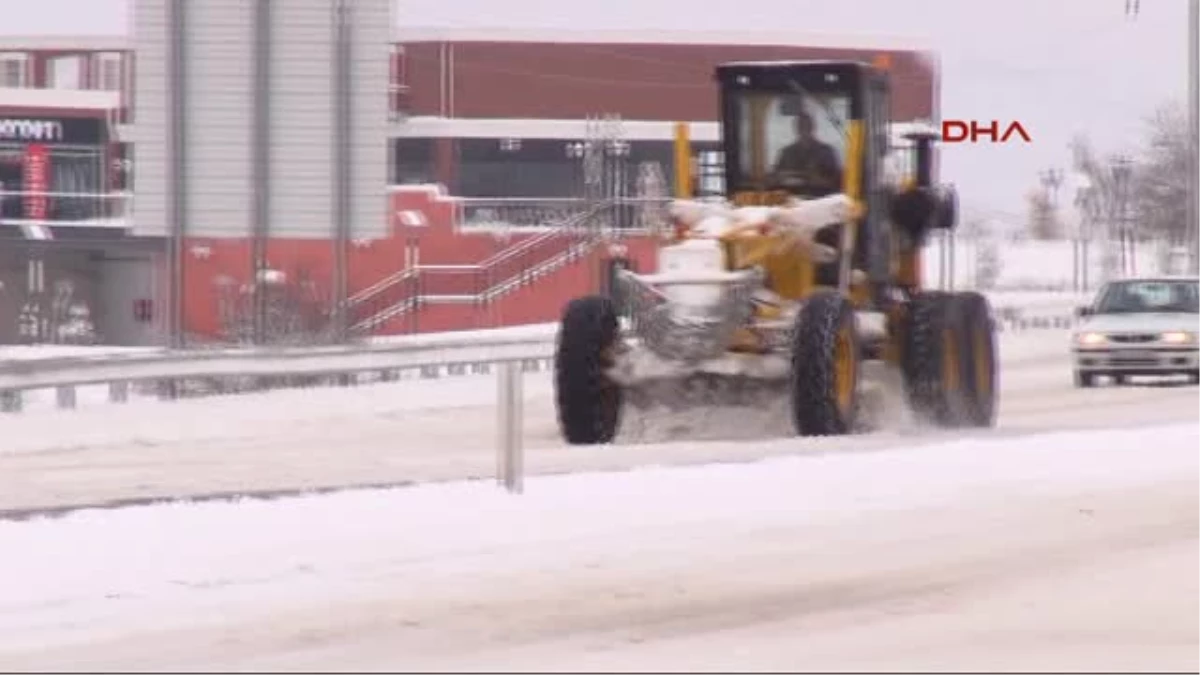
1140,323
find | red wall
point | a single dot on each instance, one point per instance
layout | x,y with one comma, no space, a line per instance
635,81
438,241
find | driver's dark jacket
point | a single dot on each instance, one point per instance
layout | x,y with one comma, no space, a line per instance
811,161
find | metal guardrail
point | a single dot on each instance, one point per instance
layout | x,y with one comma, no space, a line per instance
509,349
454,353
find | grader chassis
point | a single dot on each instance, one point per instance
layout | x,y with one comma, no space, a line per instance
786,286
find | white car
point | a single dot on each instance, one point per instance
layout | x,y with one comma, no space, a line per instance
1145,326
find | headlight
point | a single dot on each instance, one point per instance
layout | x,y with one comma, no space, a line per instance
1090,339
1178,337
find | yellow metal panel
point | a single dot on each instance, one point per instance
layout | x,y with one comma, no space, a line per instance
852,186
683,161
852,176
757,198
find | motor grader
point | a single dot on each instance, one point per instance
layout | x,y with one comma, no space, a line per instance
786,282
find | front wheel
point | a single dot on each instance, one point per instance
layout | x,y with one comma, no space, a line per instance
589,402
826,367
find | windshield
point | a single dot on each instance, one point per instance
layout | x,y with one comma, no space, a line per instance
1124,297
790,141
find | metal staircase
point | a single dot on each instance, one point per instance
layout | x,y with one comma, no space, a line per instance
481,283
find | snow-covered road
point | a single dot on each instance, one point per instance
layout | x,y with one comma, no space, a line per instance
445,430
406,431
1068,551
1065,539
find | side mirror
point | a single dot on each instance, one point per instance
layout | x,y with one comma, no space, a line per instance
1083,311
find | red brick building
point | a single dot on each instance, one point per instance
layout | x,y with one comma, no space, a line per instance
483,113
468,95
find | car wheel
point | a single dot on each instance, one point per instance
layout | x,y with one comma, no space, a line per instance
1084,380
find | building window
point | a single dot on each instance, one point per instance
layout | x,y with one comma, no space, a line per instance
413,161
64,72
13,70
109,71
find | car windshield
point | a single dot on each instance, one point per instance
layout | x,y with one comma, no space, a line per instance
1126,297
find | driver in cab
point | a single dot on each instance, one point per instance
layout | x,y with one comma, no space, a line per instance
807,163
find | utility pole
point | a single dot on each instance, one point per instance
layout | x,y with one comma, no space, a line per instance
1051,180
1193,203
1122,169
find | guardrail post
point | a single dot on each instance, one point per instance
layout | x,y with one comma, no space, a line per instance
118,392
510,456
65,395
11,401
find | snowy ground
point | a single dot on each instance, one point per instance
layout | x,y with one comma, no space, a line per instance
1065,539
1066,551
445,430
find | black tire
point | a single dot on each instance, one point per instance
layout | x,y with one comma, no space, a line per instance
979,350
1120,380
589,402
933,359
826,367
1085,380
1194,377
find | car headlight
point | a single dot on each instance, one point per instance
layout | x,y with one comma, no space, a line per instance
1178,337
1090,339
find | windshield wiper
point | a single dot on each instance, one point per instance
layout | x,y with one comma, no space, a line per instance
829,114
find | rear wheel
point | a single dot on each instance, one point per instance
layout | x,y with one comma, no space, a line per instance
589,402
982,375
949,359
826,367
1084,380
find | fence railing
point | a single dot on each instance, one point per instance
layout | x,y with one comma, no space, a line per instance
516,212
623,214
66,209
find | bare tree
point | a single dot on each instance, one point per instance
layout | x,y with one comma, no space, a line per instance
1160,189
1156,193
1043,222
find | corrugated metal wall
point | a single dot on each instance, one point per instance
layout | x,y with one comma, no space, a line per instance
219,117
302,118
150,121
219,48
371,33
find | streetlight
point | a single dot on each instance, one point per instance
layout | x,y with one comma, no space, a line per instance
1085,206
1052,179
1122,171
618,150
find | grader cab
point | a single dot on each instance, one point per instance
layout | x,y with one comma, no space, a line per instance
805,271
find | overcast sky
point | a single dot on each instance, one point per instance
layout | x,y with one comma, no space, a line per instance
1059,66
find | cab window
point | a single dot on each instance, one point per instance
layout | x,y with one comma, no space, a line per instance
791,142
